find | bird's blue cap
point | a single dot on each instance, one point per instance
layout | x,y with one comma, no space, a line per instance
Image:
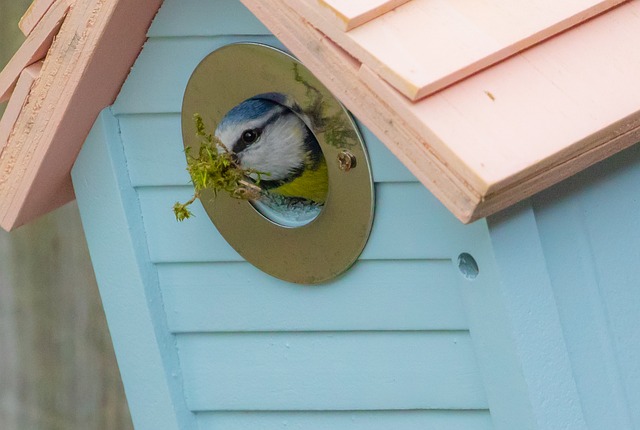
254,108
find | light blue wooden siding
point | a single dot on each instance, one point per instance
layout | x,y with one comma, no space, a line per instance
589,228
401,341
128,285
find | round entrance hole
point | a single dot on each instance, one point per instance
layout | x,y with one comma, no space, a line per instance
307,238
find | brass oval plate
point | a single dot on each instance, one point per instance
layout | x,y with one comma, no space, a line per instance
325,247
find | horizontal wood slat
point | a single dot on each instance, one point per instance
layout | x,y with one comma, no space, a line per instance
330,371
153,143
239,297
347,420
426,45
409,223
177,58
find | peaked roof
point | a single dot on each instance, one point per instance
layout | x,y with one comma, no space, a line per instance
485,103
80,76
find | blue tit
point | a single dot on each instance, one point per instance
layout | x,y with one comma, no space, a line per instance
268,133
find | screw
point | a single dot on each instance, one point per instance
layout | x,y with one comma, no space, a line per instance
346,160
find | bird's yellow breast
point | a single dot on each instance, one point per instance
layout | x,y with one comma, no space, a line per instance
311,185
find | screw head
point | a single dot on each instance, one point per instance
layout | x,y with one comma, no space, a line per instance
346,160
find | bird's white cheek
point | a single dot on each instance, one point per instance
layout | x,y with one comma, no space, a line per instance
279,152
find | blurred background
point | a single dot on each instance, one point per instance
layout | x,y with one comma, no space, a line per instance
57,366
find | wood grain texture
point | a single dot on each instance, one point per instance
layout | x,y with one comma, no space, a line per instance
80,76
424,46
17,101
474,145
34,48
242,298
350,14
33,15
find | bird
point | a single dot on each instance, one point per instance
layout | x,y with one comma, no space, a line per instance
269,133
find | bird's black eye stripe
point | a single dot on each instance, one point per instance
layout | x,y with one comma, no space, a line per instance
247,138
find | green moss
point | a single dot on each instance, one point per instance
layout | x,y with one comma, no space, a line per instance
338,132
214,168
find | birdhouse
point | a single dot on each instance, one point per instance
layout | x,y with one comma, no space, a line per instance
437,225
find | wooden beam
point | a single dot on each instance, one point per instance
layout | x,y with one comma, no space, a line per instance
80,76
502,134
33,15
426,45
17,101
34,48
350,14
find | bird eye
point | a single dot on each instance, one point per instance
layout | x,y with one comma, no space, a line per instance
250,136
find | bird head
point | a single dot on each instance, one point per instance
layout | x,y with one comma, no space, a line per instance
267,133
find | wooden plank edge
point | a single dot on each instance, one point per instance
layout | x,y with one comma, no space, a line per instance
346,23
596,140
498,196
417,92
495,202
62,195
17,101
399,103
33,15
34,48
49,133
328,62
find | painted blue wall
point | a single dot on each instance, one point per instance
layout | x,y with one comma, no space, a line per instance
402,341
589,228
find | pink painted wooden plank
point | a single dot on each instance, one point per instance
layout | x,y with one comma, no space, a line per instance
350,14
79,78
34,48
33,15
427,45
546,105
17,101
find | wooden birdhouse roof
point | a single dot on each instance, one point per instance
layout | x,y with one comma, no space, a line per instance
485,102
